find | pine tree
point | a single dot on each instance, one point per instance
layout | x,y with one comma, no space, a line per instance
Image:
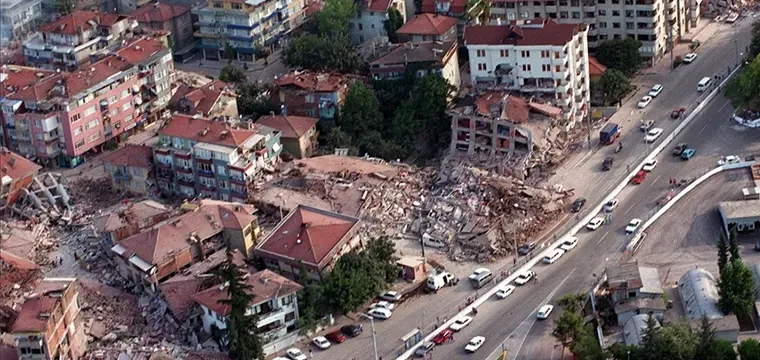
733,246
722,253
241,341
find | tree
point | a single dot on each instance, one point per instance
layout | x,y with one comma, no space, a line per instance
319,52
621,55
229,53
754,45
736,289
722,253
572,301
360,112
718,350
310,307
232,74
334,18
405,129
240,338
430,98
620,351
64,7
615,84
383,251
744,89
568,328
749,349
587,347
337,138
733,246
394,22
253,101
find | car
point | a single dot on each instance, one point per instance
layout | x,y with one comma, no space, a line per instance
321,342
577,205
687,154
679,149
477,273
460,323
569,243
295,354
383,304
611,205
524,277
644,102
505,291
544,312
730,159
336,337
380,313
677,112
425,348
665,198
595,223
474,344
649,165
443,336
526,248
689,58
653,134
607,164
352,330
632,226
639,177
656,90
646,125
392,296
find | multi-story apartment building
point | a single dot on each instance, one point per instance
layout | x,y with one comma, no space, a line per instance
371,15
49,324
453,8
245,25
18,18
211,159
650,21
274,302
539,57
16,173
175,19
133,218
69,41
429,27
311,94
130,168
427,58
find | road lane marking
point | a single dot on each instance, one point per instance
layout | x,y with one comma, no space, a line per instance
724,105
703,129
602,238
655,179
629,209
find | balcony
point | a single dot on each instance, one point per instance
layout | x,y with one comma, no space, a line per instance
672,15
590,6
186,181
538,84
563,102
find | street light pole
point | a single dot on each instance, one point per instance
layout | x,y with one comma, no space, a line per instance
372,326
736,52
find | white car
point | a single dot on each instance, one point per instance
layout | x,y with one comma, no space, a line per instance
544,312
524,277
730,159
595,223
474,344
505,291
569,243
644,102
383,305
321,342
653,134
689,58
656,90
380,313
391,296
611,205
632,226
295,354
649,165
460,323
476,274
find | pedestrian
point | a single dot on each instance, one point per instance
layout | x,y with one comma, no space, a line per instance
311,354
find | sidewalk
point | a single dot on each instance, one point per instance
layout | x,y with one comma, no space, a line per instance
702,33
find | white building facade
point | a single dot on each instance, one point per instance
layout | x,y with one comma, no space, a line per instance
369,22
18,18
539,58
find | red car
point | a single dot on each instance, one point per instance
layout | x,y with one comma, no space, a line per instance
677,112
640,176
336,337
443,336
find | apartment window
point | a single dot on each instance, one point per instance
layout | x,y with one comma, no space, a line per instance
204,167
115,111
616,25
601,1
524,15
221,170
546,67
124,93
79,144
615,2
91,124
112,99
311,112
287,300
616,36
536,3
128,118
77,131
218,4
91,110
504,53
524,53
223,185
37,123
237,6
545,53
557,68
602,25
575,3
615,12
126,106
563,14
576,15
482,67
562,2
480,53
361,27
629,25
93,137
556,54
526,67
602,12
39,137
511,16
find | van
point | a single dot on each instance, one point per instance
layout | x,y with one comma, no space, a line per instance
556,254
432,242
704,84
481,278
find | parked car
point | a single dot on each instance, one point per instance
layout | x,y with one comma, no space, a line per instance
689,58
687,154
526,248
505,291
577,205
336,337
474,344
383,304
443,336
392,296
380,313
677,112
460,323
352,330
632,226
295,354
569,243
730,159
611,205
679,149
649,165
646,125
321,342
595,223
524,277
607,164
425,348
544,312
656,90
653,134
640,177
644,102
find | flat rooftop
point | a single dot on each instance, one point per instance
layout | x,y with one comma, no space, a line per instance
740,209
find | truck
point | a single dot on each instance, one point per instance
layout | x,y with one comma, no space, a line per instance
609,133
436,281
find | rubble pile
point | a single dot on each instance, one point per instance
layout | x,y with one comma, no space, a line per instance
93,195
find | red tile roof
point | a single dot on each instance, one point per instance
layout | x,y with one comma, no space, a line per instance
378,5
158,12
203,98
291,127
40,302
522,32
595,68
79,81
322,82
186,127
68,25
308,234
134,214
16,78
137,51
16,166
455,6
511,107
427,24
131,156
265,285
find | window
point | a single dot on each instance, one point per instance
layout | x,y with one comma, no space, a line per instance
124,93
79,144
482,67
524,53
128,118
575,15
361,27
93,137
602,25
480,53
114,111
310,99
126,106
76,118
524,15
557,68
602,12
504,53
290,316
39,137
563,14
311,112
91,124
221,170
223,185
615,12
204,167
237,6
545,53
546,67
616,25
89,111
526,67
556,54
629,25
218,5
37,123
112,99
77,131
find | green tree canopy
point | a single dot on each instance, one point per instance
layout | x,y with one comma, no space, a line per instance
736,289
334,18
754,45
232,74
615,85
361,111
568,328
621,55
430,96
240,337
253,100
733,246
64,7
744,89
587,347
722,253
394,22
749,349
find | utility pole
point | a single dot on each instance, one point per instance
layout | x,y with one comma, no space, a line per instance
736,52
372,326
588,117
671,45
